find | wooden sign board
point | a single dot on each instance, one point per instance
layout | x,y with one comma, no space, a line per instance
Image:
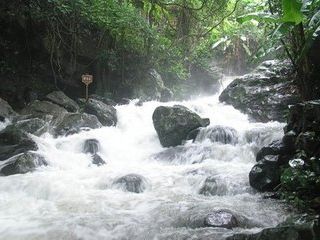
87,79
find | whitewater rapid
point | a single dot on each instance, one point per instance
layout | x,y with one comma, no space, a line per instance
73,199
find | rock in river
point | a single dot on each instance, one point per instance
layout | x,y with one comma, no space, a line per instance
265,175
23,163
264,94
132,183
222,219
13,141
173,124
59,98
106,114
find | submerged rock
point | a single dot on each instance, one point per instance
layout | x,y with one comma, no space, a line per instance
265,175
132,183
92,146
211,187
173,124
23,163
222,134
59,98
106,114
14,141
221,219
74,122
264,94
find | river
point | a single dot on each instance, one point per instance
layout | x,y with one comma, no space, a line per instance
73,199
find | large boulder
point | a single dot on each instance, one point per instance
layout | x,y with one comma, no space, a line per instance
74,122
221,219
173,124
23,163
106,114
59,98
6,110
265,175
264,94
132,183
14,141
42,108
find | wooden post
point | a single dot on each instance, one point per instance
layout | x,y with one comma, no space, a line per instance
87,79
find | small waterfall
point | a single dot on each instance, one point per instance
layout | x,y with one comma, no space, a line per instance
73,199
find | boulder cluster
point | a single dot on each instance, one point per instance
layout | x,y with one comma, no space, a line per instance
57,114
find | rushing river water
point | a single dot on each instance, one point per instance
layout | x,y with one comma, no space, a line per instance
72,199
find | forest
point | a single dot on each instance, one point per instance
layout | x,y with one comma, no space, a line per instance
210,107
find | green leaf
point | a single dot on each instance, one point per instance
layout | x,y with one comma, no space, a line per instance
292,11
258,16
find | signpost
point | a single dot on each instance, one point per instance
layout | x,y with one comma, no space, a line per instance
87,79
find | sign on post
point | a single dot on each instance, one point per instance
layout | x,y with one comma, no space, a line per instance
87,79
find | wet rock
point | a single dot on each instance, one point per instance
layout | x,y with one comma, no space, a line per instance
286,231
221,219
92,146
132,183
193,134
139,103
97,160
309,142
106,114
222,134
23,163
59,98
276,148
264,94
210,187
289,140
35,126
74,122
265,175
173,124
42,108
304,117
14,141
124,101
105,100
6,110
